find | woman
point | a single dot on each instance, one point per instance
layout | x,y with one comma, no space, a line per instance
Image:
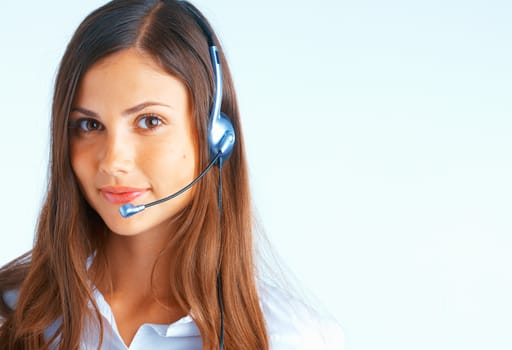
135,118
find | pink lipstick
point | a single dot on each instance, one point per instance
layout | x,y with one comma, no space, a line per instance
121,194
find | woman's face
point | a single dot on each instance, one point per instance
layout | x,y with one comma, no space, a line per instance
132,140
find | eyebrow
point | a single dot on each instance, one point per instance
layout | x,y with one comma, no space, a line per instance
126,112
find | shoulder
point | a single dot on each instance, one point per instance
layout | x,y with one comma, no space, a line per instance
292,324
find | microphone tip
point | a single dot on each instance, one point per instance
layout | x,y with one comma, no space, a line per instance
128,209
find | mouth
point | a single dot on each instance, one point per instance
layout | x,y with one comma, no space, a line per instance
121,195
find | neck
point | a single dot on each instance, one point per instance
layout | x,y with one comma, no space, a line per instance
136,267
136,281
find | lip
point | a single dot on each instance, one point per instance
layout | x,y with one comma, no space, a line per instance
121,194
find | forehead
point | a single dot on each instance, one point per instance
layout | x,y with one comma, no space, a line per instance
127,77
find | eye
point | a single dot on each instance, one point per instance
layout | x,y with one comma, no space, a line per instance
87,125
149,122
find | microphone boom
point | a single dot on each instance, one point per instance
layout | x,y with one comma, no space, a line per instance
128,209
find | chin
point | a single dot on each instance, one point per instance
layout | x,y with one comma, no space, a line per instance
150,220
125,229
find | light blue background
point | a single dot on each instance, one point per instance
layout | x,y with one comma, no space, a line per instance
379,138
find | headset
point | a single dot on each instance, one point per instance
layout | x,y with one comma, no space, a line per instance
221,141
221,134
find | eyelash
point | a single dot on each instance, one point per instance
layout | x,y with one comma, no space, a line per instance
81,124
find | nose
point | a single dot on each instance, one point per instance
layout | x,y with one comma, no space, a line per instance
116,157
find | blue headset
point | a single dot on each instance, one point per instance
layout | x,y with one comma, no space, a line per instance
221,134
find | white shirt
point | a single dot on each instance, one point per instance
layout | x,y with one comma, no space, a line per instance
291,325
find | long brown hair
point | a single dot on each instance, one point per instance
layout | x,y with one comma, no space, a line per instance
52,280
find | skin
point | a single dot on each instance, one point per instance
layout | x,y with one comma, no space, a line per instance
131,126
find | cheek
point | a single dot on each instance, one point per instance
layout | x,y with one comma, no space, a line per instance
80,164
169,165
